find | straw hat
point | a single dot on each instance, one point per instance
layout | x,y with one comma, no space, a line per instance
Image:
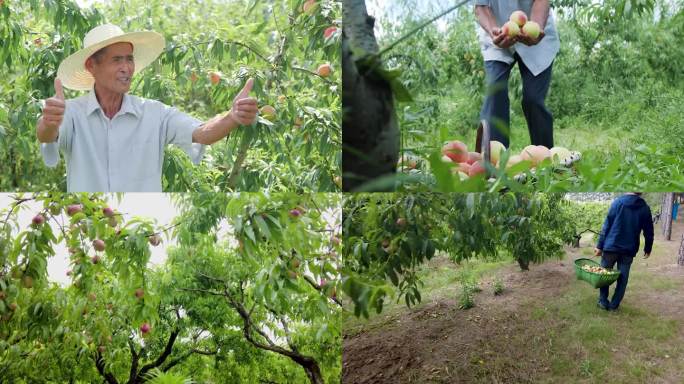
146,48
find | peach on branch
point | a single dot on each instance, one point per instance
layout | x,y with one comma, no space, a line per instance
329,32
324,70
38,220
309,7
99,245
268,112
154,240
74,209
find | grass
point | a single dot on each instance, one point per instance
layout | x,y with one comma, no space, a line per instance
442,279
630,338
580,343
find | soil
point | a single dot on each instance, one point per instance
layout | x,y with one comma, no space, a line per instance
500,340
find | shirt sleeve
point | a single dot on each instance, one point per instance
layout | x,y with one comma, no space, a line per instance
648,230
606,226
481,2
177,128
50,151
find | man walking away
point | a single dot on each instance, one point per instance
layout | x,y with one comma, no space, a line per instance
628,217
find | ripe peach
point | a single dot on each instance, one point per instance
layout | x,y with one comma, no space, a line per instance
560,155
329,32
495,149
99,245
154,240
214,77
477,168
462,167
510,29
456,150
38,220
309,7
531,29
268,112
473,157
324,70
535,153
519,17
74,209
513,160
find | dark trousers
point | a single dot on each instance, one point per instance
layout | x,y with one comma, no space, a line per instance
624,262
496,107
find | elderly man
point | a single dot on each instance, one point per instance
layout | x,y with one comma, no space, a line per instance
628,216
534,56
112,141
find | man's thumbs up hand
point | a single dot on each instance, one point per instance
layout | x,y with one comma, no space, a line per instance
53,112
244,108
59,91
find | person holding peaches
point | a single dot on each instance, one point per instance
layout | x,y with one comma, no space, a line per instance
113,141
521,32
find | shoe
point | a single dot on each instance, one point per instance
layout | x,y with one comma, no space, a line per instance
602,306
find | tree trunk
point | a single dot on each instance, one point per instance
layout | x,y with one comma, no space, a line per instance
370,132
680,260
667,219
524,264
576,241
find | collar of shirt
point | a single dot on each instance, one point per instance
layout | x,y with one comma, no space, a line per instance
126,105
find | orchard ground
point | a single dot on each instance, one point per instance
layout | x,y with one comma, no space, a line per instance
544,327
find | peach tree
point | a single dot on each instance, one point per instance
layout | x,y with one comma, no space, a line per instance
389,236
210,312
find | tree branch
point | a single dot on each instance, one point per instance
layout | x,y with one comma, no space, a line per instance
100,365
164,355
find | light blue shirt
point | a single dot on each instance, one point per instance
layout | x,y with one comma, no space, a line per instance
537,57
124,154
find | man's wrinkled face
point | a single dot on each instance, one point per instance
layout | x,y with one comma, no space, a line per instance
113,70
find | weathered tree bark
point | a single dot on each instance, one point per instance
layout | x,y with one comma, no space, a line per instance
370,132
667,219
309,364
524,264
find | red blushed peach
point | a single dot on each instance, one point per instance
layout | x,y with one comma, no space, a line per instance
519,17
456,150
477,168
463,167
473,157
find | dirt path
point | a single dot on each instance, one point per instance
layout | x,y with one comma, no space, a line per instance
501,339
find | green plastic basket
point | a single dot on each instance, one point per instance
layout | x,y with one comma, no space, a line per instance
596,280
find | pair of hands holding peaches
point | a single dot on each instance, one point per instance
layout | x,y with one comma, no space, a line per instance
517,30
504,41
